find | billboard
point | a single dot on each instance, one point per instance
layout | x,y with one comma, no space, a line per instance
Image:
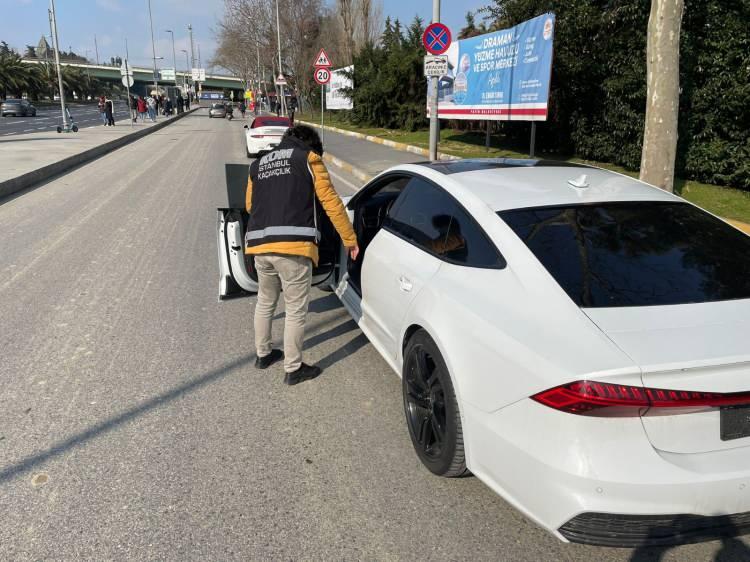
335,98
503,75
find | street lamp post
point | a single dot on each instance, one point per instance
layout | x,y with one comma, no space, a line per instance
153,48
278,42
187,70
57,65
174,57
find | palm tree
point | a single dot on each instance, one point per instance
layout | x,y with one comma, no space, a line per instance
15,76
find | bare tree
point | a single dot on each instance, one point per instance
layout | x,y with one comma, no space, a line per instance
663,93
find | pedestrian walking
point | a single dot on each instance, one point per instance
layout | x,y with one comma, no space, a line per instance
285,189
292,108
133,108
242,108
151,107
187,101
142,108
180,103
109,112
102,109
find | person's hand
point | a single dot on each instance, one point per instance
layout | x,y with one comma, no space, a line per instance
354,252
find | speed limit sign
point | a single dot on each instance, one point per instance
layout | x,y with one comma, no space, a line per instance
322,75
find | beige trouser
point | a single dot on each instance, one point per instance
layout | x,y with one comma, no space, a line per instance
294,275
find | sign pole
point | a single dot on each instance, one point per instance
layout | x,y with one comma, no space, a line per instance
434,124
127,83
322,104
57,66
487,135
533,139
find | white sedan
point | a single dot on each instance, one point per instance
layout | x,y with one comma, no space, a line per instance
264,134
577,339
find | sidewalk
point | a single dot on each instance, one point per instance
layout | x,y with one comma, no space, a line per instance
26,159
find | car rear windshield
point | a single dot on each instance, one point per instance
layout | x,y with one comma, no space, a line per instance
271,122
637,254
217,106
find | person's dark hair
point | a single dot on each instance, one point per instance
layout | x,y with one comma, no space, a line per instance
308,135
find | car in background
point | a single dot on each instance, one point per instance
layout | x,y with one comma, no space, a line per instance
264,134
17,108
575,338
217,109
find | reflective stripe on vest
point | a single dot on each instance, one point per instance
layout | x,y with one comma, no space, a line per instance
282,231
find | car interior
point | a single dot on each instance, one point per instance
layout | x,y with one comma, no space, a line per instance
369,218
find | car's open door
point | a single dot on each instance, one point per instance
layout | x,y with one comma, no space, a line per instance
237,275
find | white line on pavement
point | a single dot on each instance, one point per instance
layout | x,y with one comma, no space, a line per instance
345,181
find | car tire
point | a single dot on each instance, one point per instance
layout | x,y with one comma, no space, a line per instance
431,408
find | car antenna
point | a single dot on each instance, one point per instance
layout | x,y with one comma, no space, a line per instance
581,182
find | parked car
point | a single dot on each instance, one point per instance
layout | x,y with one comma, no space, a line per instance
17,108
217,109
264,133
575,338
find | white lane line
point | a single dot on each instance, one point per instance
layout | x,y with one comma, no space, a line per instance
27,130
40,128
344,181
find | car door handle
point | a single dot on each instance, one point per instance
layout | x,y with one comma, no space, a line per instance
404,284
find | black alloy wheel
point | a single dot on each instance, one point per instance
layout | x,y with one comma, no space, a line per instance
431,408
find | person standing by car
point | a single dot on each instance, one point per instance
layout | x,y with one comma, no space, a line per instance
284,189
292,108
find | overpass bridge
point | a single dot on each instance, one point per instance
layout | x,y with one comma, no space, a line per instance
145,76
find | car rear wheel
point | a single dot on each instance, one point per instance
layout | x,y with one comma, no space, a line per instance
431,408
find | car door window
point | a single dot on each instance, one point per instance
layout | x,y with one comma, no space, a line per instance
432,220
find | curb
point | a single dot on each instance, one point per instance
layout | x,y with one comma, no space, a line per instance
377,140
353,170
741,225
29,179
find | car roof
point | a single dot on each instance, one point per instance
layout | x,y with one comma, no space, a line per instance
503,183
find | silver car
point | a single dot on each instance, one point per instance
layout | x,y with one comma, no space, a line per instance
17,108
217,109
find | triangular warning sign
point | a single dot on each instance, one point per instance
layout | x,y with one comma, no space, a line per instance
322,60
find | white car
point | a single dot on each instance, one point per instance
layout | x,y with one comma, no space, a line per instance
264,134
577,339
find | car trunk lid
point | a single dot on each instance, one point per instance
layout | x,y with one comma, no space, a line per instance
694,347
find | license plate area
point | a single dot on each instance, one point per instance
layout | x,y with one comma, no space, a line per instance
734,423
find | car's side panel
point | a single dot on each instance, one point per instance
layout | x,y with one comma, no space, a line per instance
393,274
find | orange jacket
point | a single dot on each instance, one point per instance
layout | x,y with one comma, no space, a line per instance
332,205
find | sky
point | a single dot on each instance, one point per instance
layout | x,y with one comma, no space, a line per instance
24,21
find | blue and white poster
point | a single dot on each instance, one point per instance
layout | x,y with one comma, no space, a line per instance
503,75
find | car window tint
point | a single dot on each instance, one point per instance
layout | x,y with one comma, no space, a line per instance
637,254
431,219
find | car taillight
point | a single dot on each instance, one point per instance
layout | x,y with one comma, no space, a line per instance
256,136
591,397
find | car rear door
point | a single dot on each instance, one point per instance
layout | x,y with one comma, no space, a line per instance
237,275
401,260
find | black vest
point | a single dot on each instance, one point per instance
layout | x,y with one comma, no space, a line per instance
283,199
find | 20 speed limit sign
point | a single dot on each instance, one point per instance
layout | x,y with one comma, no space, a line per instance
322,75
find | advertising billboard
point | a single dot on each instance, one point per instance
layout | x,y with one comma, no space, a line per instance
335,98
504,75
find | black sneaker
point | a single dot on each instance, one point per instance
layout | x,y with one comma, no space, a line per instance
268,360
304,373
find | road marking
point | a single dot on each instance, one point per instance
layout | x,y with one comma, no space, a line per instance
345,181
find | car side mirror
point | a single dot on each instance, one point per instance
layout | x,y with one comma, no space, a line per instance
245,127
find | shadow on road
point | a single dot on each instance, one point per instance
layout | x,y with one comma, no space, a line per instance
732,548
61,447
334,332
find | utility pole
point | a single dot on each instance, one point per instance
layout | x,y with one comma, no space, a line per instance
434,123
185,80
174,57
127,82
96,47
278,41
153,48
56,46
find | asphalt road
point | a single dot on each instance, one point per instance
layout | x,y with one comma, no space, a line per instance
133,425
49,118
